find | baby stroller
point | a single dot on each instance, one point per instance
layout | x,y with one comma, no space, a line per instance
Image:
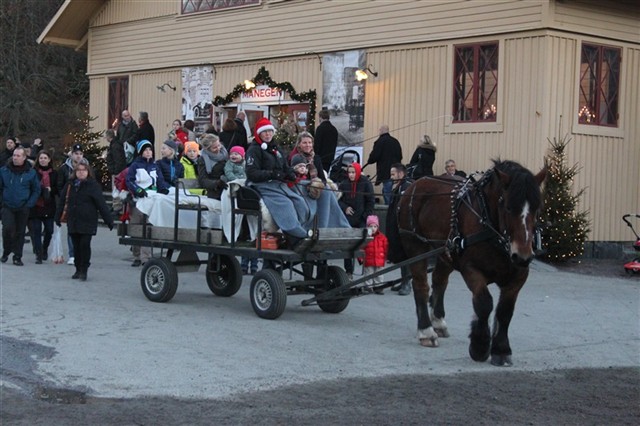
633,267
338,169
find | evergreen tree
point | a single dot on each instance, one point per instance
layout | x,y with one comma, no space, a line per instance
92,150
565,229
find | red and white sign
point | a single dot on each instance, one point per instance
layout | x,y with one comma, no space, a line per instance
261,94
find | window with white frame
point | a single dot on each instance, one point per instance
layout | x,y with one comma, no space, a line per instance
475,87
599,85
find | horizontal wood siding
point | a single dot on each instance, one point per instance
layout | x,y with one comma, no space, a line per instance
163,107
117,11
291,29
611,19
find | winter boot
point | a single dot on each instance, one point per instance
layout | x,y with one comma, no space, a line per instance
76,275
45,252
39,258
405,289
82,276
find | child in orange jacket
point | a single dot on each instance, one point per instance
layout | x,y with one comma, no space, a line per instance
375,253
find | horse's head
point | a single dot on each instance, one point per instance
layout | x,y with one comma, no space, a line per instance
518,206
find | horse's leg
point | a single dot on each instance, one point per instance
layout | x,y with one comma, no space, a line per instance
480,344
439,282
500,348
426,334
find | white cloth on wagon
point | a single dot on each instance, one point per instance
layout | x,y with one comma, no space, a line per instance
160,209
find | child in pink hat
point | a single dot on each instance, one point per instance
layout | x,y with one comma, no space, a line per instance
375,253
234,168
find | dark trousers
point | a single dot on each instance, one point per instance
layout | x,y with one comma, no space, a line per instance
14,224
348,266
82,250
41,240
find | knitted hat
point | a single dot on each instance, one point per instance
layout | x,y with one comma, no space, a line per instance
208,139
191,145
142,145
298,159
373,220
171,144
262,125
238,149
76,147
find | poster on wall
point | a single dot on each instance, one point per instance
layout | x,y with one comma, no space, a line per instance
343,94
197,94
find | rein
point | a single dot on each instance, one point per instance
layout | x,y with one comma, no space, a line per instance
462,195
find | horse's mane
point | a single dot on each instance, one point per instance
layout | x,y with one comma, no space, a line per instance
522,185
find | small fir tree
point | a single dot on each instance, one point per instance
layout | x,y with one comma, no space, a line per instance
565,229
92,150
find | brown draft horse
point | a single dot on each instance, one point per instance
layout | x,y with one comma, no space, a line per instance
488,227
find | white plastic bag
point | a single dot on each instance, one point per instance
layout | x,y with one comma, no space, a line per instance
56,251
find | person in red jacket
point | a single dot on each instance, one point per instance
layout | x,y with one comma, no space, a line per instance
375,253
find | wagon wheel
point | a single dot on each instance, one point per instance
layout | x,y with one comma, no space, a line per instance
227,280
335,277
268,294
159,279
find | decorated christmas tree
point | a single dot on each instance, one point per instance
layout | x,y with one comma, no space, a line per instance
565,228
92,149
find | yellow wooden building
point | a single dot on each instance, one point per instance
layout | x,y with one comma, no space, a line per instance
483,78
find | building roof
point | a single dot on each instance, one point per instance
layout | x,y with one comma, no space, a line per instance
70,25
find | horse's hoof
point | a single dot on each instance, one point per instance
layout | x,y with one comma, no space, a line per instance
480,356
429,343
501,360
442,332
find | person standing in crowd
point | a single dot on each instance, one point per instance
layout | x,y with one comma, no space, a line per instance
7,154
326,140
423,158
228,135
400,184
169,165
190,125
27,150
19,191
64,173
145,129
43,212
357,202
241,131
83,200
386,151
126,132
143,176
451,170
375,254
210,166
178,133
116,158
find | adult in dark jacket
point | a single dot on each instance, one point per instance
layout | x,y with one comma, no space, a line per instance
228,134
210,166
396,252
8,152
241,131
127,130
386,151
19,190
145,129
423,158
326,140
169,165
116,158
43,212
83,200
357,202
64,174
